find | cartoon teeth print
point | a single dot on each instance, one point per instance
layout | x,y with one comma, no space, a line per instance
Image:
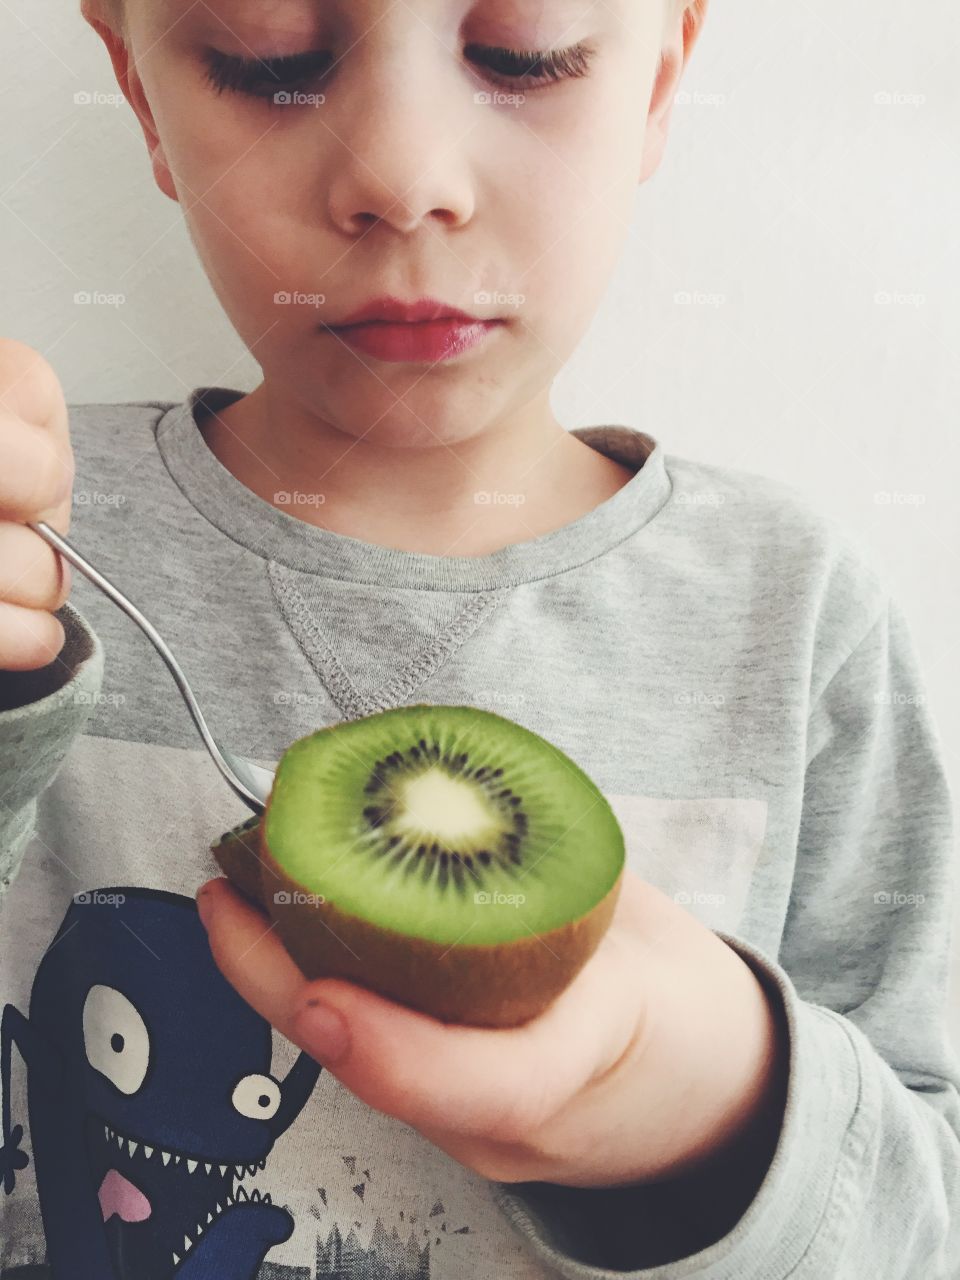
121,1195
150,1099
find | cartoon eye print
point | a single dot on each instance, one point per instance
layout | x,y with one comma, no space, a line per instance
257,1096
115,1037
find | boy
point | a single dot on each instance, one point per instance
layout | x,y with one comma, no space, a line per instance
751,1078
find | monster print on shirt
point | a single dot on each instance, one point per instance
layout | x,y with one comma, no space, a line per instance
150,1099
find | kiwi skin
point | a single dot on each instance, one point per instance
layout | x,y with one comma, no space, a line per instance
500,985
237,853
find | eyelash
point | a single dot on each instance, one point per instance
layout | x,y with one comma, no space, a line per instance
261,78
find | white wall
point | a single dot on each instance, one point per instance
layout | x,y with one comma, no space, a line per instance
814,166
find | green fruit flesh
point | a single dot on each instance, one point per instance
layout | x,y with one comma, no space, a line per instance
449,824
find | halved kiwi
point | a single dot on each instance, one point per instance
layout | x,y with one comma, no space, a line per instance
443,856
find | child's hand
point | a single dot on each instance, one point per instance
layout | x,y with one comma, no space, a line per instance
36,483
664,1049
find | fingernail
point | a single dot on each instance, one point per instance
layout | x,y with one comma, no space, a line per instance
205,906
324,1030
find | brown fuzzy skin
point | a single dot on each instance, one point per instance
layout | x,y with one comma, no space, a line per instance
238,856
500,985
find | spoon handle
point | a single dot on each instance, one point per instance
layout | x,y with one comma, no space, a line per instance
69,552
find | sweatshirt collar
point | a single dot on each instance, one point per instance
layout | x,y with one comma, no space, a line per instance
274,535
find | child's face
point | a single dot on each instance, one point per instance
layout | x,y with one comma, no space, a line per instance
402,181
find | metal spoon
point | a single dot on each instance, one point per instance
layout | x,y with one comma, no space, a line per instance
251,782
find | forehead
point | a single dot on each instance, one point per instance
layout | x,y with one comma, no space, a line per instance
305,14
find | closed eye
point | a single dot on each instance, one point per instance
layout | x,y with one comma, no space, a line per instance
264,77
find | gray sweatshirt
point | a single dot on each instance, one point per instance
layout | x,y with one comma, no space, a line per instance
724,662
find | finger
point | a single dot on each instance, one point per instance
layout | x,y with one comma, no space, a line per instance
470,1081
31,390
401,1062
30,639
249,954
36,473
32,574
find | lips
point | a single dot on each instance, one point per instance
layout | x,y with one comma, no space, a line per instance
425,343
390,310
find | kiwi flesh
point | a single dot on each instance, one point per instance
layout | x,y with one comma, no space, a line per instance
443,856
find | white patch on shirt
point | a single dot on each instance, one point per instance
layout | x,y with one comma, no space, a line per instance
702,852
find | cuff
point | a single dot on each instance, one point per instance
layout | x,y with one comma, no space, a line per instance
612,1233
41,713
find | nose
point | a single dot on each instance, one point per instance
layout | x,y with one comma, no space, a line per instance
401,160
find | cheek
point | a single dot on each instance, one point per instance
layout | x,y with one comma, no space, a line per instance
567,224
255,226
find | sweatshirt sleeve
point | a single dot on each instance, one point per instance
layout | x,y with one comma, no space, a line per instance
41,713
865,1179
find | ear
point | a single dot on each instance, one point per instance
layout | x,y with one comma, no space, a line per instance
679,41
125,69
